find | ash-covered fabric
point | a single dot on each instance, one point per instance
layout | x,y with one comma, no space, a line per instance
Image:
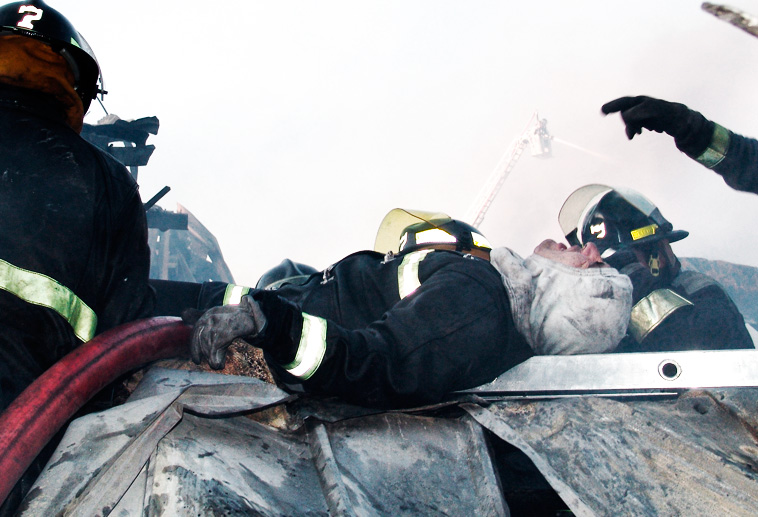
565,310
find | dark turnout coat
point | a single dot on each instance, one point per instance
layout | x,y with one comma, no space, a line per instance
739,168
73,241
711,322
397,332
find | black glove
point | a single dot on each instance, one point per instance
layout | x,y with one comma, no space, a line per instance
216,329
692,132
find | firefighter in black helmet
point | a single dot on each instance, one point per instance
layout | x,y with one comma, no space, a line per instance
74,259
22,21
445,234
674,309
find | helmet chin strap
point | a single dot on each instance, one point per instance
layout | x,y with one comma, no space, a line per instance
72,64
654,263
664,267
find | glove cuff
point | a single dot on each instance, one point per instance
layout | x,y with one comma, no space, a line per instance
717,148
697,135
284,324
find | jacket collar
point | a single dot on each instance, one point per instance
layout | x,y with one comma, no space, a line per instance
31,101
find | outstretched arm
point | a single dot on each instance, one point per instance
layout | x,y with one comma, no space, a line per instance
733,156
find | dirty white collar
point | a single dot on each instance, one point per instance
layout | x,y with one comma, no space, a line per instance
564,310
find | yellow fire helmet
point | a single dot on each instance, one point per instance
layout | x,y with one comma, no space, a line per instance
404,230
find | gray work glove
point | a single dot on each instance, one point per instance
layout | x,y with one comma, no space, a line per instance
216,329
692,132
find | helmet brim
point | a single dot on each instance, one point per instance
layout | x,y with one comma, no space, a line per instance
677,235
672,236
398,219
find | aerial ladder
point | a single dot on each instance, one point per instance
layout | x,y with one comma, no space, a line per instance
537,137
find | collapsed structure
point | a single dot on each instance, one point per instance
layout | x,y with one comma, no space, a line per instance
182,249
619,434
613,434
203,444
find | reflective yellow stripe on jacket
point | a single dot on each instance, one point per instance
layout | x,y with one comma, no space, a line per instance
311,349
234,293
44,291
407,273
312,346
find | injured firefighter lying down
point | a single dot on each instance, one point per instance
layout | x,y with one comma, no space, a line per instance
436,311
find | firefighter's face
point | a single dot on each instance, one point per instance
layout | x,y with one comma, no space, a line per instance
575,256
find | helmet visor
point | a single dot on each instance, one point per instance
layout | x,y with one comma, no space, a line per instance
580,206
576,207
397,220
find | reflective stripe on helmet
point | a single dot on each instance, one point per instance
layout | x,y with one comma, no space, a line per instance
716,150
480,240
434,236
234,293
407,273
311,349
45,291
645,231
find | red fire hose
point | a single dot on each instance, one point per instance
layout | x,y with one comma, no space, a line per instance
49,402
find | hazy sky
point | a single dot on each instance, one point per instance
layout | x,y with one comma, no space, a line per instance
289,128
